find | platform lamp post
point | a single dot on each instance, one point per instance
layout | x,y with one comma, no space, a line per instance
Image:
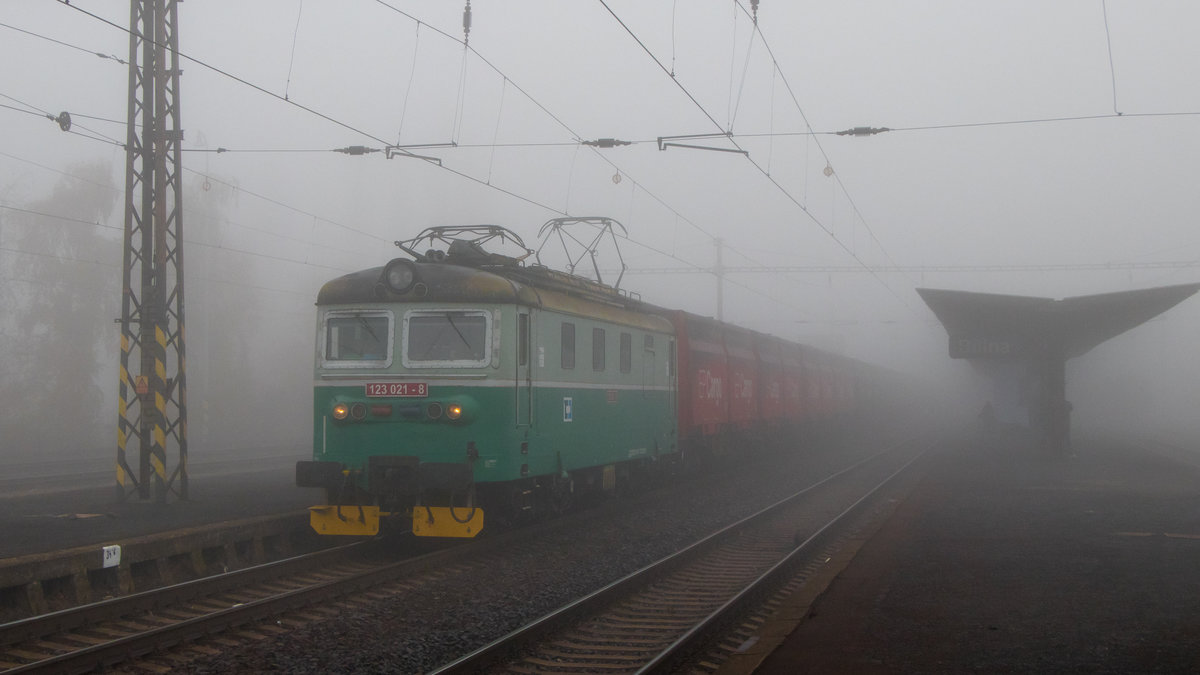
153,401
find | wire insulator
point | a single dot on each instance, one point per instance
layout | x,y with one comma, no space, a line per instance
754,10
355,150
862,131
605,143
467,24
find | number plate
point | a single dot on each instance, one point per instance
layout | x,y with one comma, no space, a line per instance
401,389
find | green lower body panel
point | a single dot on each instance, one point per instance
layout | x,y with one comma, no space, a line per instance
436,451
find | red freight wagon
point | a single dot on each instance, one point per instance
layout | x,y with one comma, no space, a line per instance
703,376
844,386
770,377
823,378
743,369
794,379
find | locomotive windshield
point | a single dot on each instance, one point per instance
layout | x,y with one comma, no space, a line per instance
451,338
359,339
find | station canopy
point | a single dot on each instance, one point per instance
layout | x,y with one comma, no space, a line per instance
991,326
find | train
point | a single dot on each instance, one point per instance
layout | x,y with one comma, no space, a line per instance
458,380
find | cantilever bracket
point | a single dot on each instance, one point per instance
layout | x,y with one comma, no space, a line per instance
665,142
391,151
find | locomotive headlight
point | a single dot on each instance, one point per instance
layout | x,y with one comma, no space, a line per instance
462,410
400,275
341,411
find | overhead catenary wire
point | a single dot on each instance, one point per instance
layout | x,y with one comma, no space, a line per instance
207,176
63,120
116,228
737,103
968,125
221,247
753,13
1112,72
546,111
735,136
66,44
408,88
243,226
509,81
96,223
461,174
746,154
488,183
323,116
418,23
292,59
921,269
699,269
769,134
496,132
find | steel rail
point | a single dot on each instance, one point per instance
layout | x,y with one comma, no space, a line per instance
36,627
139,644
124,648
507,646
697,635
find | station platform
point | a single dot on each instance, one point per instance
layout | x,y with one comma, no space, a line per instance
1003,560
40,514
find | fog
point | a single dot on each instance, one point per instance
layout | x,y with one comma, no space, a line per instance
1007,170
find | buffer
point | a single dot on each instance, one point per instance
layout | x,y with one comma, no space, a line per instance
1041,334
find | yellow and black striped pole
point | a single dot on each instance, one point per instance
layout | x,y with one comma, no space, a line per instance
126,426
153,401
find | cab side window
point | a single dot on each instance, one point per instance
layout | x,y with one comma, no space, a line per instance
597,349
568,346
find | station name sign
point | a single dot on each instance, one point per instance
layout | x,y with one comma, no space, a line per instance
983,348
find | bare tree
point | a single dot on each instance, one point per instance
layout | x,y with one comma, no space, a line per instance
61,273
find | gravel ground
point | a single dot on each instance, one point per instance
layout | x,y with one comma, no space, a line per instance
420,629
1004,561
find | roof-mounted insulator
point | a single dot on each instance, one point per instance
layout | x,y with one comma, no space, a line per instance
606,143
356,150
467,24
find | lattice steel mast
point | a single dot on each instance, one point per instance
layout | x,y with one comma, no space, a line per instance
154,402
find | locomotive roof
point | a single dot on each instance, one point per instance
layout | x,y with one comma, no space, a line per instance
443,282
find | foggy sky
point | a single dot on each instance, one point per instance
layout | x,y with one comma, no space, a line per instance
1073,192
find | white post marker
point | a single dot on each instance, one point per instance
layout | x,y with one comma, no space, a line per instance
112,556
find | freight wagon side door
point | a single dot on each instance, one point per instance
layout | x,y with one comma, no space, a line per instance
523,394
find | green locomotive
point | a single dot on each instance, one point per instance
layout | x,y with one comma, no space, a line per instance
462,380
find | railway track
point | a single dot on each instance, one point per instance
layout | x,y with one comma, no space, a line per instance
170,627
261,600
663,617
109,632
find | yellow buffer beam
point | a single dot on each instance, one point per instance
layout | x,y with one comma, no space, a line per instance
345,520
444,521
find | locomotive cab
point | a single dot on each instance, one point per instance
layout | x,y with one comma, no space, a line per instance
449,383
413,401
